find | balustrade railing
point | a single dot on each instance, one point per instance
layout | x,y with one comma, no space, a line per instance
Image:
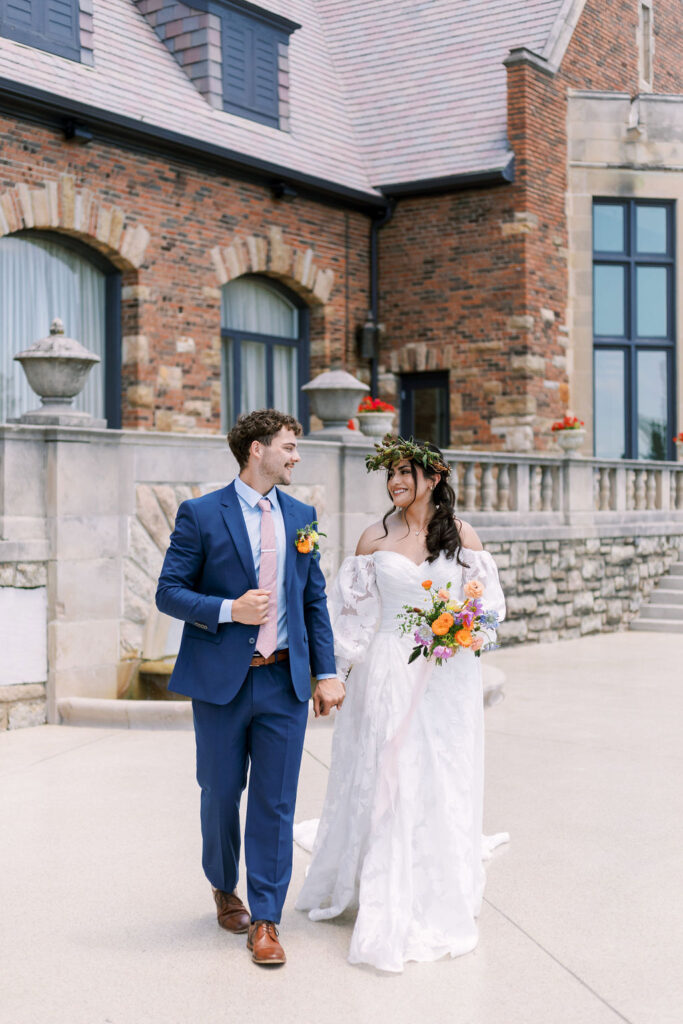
508,483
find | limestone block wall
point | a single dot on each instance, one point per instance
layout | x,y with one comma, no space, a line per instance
557,589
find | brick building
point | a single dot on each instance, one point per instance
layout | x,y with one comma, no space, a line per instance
214,194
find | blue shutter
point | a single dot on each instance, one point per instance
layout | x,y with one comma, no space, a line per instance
264,56
61,18
250,67
18,14
51,25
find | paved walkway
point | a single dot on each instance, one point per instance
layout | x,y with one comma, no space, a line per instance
105,917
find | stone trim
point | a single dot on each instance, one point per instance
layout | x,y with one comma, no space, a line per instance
274,257
22,705
62,206
86,31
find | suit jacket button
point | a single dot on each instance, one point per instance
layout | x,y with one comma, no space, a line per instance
252,639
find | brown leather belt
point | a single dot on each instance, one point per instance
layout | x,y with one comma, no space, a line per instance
259,660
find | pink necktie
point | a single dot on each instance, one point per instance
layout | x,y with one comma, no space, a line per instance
266,641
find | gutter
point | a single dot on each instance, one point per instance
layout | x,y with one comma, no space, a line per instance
452,182
376,224
17,98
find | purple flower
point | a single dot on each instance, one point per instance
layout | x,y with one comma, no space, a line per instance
443,652
424,636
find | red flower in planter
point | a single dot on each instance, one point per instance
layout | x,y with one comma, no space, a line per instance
374,405
568,423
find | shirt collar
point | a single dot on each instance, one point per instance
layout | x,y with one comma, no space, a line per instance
252,497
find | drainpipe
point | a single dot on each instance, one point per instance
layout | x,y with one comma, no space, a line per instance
375,225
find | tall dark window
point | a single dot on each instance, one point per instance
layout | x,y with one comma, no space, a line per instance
50,25
254,61
634,329
424,407
265,349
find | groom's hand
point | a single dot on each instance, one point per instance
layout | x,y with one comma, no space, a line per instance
251,607
328,694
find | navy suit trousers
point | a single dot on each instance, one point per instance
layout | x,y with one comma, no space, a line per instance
261,729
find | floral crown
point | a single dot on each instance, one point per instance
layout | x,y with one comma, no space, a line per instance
393,448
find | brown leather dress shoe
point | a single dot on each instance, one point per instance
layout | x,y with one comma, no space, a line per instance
231,912
263,942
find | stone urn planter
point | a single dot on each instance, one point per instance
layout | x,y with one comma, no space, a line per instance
334,397
56,368
375,424
570,440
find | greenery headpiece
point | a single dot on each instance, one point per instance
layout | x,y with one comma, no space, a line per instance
392,448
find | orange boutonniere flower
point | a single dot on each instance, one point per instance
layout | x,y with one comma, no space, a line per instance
306,540
441,625
426,584
463,637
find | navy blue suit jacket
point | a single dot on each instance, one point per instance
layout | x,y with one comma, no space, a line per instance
209,559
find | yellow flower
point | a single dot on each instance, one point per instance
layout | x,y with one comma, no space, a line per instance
313,536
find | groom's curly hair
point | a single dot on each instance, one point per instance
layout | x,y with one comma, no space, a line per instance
261,425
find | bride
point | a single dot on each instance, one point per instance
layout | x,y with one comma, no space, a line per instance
400,838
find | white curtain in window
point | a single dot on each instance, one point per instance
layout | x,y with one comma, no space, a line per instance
40,280
285,378
252,306
249,304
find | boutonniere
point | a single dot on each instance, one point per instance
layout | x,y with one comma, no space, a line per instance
307,539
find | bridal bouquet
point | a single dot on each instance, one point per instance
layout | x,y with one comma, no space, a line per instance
444,626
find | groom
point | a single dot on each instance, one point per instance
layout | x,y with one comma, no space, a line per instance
256,624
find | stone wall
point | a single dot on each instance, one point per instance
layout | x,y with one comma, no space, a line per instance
559,589
23,630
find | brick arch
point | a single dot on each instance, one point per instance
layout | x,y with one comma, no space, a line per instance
271,255
62,207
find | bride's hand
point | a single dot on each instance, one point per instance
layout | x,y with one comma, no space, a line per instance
329,693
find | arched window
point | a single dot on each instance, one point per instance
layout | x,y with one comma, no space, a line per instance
44,276
265,351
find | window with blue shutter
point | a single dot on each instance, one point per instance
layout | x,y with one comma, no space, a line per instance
50,25
254,45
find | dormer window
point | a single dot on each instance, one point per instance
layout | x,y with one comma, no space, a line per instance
51,25
256,63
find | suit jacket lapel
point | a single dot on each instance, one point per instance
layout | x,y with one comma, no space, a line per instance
289,516
231,511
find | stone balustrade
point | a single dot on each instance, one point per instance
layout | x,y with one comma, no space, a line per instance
546,490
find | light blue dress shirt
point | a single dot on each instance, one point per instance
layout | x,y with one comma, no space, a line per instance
249,499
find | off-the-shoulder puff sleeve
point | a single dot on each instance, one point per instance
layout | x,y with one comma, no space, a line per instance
354,607
482,567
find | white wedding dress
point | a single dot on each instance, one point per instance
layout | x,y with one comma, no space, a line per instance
410,864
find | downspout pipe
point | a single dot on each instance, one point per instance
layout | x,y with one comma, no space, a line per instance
376,224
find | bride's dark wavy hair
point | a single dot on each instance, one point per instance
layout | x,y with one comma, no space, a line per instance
443,533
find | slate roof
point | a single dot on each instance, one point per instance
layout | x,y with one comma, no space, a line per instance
381,91
424,80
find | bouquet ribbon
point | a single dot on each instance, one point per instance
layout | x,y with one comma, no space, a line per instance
387,783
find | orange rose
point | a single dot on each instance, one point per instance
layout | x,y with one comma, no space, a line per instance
474,588
443,594
427,584
441,625
463,637
305,546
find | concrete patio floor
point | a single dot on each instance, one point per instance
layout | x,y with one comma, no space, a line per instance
105,917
